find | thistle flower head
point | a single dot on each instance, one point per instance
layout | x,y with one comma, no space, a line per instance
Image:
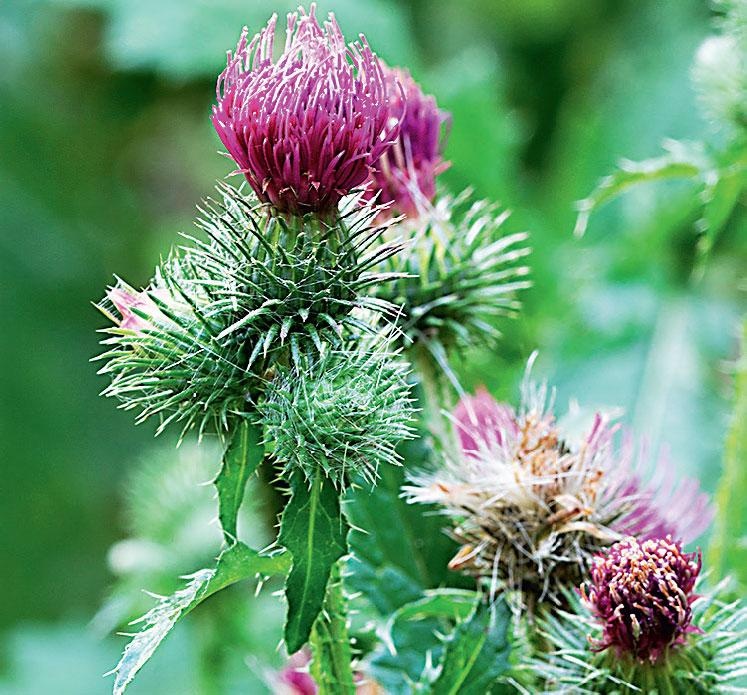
642,592
531,504
305,129
344,415
405,175
663,640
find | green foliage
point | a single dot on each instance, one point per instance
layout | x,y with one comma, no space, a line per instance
330,644
478,652
728,550
236,563
719,185
342,416
241,458
314,531
409,551
416,658
713,660
412,639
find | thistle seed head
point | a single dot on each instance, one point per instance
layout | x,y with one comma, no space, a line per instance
530,504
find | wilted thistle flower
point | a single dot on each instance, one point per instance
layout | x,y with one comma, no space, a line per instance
531,505
405,175
637,625
458,273
342,417
641,592
305,129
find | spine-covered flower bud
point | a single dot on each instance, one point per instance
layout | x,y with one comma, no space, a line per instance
343,416
459,274
644,623
405,175
642,594
305,129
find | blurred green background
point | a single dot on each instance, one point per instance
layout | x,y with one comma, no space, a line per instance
106,148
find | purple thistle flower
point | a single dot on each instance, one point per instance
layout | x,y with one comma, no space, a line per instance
642,593
307,129
405,176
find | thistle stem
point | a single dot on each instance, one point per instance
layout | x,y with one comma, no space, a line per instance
330,644
436,396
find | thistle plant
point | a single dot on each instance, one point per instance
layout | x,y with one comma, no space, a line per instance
261,329
638,625
530,505
290,325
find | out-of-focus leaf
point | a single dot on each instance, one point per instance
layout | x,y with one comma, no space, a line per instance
728,552
315,532
682,160
477,654
723,191
243,455
237,563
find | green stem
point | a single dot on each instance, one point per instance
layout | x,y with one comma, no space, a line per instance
330,643
436,396
727,552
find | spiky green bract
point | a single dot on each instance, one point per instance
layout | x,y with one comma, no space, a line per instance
174,365
713,660
257,288
457,275
288,280
342,415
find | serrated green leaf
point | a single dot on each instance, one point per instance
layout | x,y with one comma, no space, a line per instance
315,531
728,552
412,638
236,563
477,654
243,455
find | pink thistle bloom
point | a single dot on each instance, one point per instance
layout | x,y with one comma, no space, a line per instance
642,593
405,176
295,679
125,300
531,503
307,129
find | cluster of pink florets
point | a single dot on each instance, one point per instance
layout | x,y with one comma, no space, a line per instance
642,593
323,119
